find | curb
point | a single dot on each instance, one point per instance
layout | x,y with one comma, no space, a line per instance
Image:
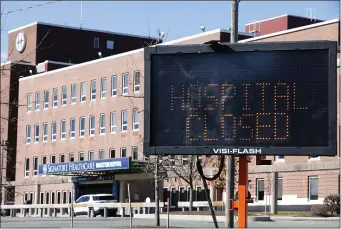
222,218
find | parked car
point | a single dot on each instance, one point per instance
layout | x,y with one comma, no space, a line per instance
95,198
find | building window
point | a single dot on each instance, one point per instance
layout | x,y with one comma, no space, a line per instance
43,160
54,131
38,101
72,157
81,156
28,134
64,95
136,82
55,97
136,120
45,132
93,89
91,155
35,166
260,189
27,167
124,121
102,124
113,122
101,154
110,44
83,91
96,42
53,159
62,158
113,86
46,99
280,189
135,153
92,125
29,102
63,129
123,152
103,87
73,93
36,133
111,153
72,128
81,126
313,188
125,83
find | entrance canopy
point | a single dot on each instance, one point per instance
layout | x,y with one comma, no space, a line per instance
93,166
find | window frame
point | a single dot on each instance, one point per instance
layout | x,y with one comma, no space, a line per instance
60,158
45,134
72,133
27,167
137,85
136,125
36,133
53,156
93,90
63,132
73,99
92,129
133,152
71,155
124,126
121,151
109,46
28,134
257,188
96,43
81,132
54,127
309,187
103,87
91,152
110,150
35,166
102,127
46,99
101,153
64,96
29,102
125,88
113,124
37,99
82,92
114,86
55,97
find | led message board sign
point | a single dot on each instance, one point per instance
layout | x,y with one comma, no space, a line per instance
256,98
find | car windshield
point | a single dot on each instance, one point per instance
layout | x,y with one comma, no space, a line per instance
103,198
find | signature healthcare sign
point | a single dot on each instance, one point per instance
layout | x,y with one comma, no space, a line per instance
85,166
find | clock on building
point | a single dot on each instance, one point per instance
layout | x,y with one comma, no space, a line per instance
20,42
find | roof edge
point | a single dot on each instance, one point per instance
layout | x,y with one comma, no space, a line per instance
78,28
291,30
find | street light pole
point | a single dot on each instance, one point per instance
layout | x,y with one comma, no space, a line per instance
230,168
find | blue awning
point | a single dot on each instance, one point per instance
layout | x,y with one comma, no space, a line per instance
85,166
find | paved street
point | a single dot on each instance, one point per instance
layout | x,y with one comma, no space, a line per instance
84,222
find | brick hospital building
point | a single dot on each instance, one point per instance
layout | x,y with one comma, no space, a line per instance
84,102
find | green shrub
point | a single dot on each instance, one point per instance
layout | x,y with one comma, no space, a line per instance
320,210
332,202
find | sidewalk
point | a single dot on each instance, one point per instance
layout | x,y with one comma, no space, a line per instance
222,218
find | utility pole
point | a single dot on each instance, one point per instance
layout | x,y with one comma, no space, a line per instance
157,198
230,168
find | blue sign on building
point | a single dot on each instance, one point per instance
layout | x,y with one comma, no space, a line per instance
85,166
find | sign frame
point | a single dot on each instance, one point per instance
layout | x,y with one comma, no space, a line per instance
331,150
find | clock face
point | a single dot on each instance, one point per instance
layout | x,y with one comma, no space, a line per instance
20,42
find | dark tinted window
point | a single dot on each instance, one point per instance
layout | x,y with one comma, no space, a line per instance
86,198
103,198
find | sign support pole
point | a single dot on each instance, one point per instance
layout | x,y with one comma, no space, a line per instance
243,191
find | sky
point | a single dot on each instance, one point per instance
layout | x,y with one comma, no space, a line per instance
176,18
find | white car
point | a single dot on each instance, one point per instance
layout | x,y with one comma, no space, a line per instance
95,198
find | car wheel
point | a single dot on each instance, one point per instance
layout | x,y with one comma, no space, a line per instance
92,212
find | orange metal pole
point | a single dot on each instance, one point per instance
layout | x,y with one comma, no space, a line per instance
243,191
